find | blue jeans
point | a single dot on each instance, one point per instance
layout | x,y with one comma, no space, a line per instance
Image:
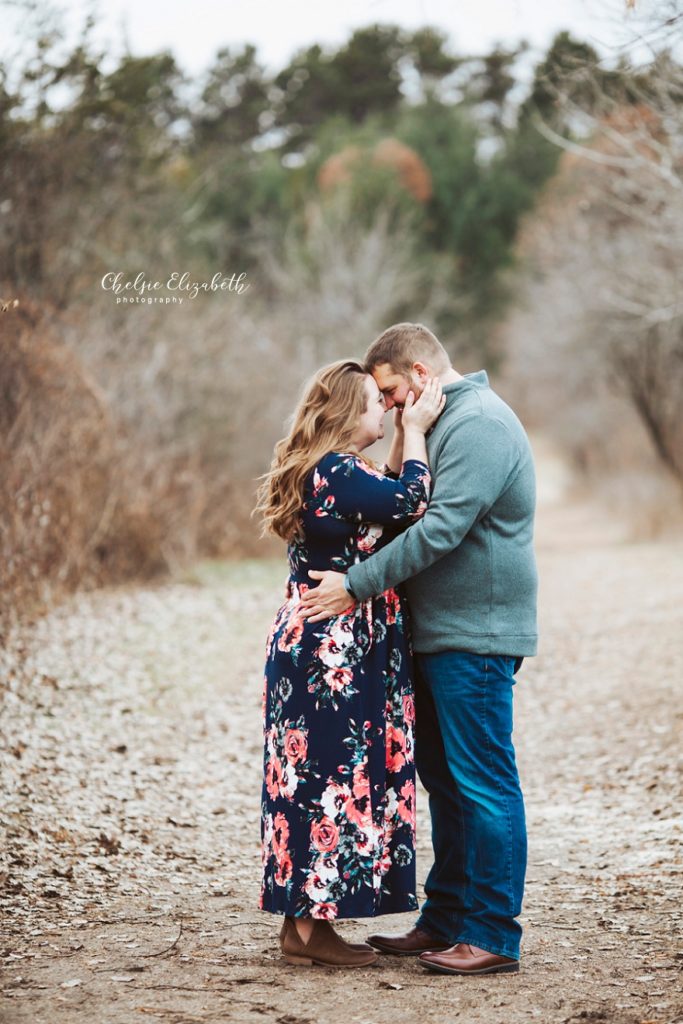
466,762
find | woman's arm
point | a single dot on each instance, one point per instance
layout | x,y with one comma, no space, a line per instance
346,487
395,456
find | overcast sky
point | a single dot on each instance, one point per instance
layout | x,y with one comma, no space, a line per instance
195,30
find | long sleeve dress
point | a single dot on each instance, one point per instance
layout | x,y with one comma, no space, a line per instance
338,804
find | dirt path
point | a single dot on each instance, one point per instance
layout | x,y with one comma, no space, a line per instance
131,756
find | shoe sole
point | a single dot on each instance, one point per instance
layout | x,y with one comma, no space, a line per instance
502,969
306,961
407,952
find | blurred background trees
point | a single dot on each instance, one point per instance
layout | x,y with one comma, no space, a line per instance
600,311
536,226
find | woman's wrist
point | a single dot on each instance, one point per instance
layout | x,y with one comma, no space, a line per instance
415,446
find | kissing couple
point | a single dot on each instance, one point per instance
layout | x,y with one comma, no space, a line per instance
409,608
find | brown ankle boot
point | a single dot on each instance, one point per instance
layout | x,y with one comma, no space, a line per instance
325,924
350,945
324,947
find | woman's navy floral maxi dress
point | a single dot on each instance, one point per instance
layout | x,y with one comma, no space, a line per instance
338,811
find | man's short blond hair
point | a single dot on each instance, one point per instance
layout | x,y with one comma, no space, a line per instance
401,345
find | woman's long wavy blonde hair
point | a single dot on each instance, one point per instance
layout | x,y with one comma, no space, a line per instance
325,420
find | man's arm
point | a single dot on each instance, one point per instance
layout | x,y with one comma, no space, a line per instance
476,461
473,467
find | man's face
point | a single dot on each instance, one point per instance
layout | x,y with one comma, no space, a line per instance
395,387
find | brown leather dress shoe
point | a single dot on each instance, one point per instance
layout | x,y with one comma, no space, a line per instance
410,943
467,959
324,947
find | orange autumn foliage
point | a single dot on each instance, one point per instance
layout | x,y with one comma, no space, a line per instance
411,172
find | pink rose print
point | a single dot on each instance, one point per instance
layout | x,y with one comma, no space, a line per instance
396,748
296,746
358,807
409,708
280,832
324,911
279,841
325,835
274,777
338,678
291,635
361,782
283,872
406,803
393,605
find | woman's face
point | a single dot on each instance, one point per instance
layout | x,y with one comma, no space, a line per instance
370,426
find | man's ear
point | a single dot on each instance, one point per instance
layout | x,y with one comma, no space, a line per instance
421,371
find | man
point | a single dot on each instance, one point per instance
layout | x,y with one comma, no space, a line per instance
471,582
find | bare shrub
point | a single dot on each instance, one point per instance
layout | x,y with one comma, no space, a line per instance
195,388
56,448
79,503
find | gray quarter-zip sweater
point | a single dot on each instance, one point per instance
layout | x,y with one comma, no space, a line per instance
469,562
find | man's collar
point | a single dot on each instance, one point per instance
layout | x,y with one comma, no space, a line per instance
479,379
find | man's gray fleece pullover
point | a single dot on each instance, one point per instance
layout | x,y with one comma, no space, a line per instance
469,562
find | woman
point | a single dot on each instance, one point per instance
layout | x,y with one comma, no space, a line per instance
338,818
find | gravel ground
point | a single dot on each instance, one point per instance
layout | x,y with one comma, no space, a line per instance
131,752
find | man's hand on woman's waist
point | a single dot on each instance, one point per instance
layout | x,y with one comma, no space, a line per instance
329,598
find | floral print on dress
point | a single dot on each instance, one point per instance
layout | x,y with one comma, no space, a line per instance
338,804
